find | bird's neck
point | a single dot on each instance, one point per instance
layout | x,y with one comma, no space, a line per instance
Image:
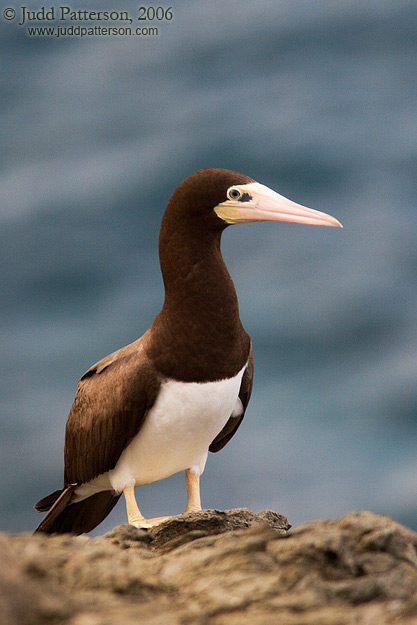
198,335
197,283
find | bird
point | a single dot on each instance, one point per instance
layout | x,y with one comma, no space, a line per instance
157,406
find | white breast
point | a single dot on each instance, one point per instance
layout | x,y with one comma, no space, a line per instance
178,430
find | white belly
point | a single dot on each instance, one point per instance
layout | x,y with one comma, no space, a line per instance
178,430
176,435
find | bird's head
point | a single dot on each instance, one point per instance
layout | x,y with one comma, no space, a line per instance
219,197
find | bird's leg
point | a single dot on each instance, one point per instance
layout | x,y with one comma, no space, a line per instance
134,515
192,481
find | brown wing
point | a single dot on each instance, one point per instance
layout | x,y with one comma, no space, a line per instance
244,395
110,406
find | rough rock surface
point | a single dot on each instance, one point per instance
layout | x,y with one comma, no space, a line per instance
215,568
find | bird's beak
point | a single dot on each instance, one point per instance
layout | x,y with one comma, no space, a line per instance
256,202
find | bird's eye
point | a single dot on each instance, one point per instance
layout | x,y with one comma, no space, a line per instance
233,193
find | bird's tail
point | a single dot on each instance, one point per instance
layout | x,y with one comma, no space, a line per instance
75,518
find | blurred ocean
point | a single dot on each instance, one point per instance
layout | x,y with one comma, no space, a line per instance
318,100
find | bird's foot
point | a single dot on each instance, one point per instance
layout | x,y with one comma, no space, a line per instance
193,508
146,524
135,516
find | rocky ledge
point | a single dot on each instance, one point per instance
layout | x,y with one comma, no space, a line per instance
215,568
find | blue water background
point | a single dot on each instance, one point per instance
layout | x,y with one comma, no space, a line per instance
317,100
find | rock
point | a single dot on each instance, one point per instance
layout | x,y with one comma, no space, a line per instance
188,527
215,568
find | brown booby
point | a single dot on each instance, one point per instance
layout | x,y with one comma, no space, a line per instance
160,404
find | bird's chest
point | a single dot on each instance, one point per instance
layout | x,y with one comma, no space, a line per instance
179,428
